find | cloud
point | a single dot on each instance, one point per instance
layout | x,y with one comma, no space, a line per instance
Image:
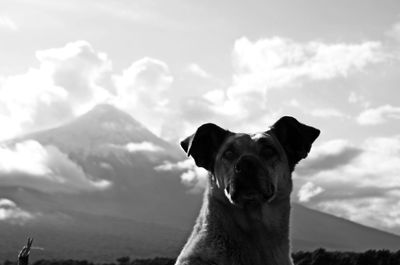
143,89
192,176
8,24
382,213
197,70
277,62
66,83
329,156
143,147
71,79
379,115
362,185
45,168
307,191
10,212
166,105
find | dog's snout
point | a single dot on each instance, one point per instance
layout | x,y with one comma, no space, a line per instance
246,164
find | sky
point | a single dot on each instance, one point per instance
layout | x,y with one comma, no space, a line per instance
176,64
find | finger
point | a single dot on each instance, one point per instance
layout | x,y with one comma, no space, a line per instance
30,241
22,253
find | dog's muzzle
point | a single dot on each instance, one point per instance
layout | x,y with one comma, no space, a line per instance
250,183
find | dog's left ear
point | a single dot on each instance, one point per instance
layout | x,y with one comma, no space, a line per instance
203,145
295,137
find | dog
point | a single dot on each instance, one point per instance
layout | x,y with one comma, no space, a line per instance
244,219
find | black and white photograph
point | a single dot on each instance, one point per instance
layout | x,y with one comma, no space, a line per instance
184,132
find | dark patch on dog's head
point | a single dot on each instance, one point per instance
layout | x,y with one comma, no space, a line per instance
204,144
295,137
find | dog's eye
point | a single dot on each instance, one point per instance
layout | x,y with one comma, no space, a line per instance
267,152
229,154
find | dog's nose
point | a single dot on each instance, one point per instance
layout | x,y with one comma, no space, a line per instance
246,164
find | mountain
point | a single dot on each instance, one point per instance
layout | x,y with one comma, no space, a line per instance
312,229
143,212
98,142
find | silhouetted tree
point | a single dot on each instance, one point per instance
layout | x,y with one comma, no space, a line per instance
123,260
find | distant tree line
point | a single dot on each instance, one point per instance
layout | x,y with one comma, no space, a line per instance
317,257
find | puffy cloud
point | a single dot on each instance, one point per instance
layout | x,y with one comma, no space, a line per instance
274,63
73,78
143,90
380,212
378,115
192,176
277,62
10,212
307,191
359,184
45,168
259,66
168,106
77,68
143,147
197,70
65,84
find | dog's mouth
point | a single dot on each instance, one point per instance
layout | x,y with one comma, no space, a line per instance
242,197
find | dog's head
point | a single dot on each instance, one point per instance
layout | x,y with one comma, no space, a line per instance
251,168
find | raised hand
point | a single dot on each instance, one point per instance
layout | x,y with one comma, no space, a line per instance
23,256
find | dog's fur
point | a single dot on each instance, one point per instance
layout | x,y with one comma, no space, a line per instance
244,219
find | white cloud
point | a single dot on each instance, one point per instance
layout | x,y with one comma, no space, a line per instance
65,84
143,147
10,212
148,90
143,90
46,168
307,191
274,63
278,62
193,177
73,78
382,213
216,97
359,184
331,147
378,115
197,70
8,23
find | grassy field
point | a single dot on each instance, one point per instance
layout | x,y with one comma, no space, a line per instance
317,257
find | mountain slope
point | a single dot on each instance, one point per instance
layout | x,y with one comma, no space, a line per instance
92,237
311,229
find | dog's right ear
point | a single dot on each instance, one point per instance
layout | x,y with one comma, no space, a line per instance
204,144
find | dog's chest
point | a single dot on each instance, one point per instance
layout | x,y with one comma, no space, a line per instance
244,250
